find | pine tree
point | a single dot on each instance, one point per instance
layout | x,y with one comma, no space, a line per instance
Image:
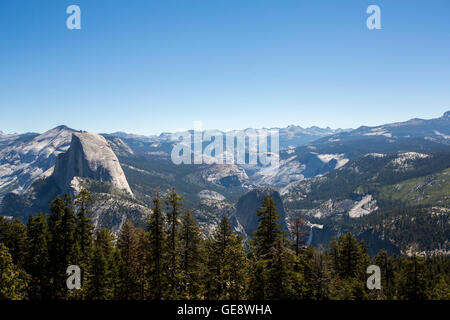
321,275
282,278
119,277
127,243
14,236
68,228
157,240
269,230
364,261
37,259
441,291
299,233
226,264
257,278
191,256
350,260
412,279
271,249
333,256
4,226
84,229
349,256
18,242
11,285
105,241
101,274
387,274
174,203
143,263
310,273
234,270
59,246
222,238
98,280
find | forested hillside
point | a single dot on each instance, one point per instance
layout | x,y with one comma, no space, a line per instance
170,259
392,201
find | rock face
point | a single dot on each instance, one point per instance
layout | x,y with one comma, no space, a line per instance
249,203
90,163
27,157
89,156
210,195
227,175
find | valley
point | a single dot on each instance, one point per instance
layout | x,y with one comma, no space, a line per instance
365,181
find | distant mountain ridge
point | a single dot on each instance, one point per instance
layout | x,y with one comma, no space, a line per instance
290,136
26,157
123,171
88,163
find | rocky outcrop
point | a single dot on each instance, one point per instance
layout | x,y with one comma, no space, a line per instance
88,163
227,175
89,156
210,195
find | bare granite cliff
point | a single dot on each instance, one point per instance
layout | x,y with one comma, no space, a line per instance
89,156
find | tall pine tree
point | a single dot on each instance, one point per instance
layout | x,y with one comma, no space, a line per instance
191,250
174,204
157,249
127,243
37,259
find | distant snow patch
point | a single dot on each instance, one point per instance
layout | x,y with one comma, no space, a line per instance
375,155
441,134
378,132
334,140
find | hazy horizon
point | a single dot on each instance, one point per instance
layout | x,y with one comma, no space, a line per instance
226,130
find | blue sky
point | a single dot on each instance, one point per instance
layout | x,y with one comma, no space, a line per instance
157,65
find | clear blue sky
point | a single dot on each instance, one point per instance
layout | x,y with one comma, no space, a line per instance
158,65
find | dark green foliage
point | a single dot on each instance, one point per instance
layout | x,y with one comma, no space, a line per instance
271,251
11,283
269,231
61,224
225,264
191,256
13,236
157,249
84,229
171,260
412,279
127,245
143,264
425,226
174,203
98,276
37,259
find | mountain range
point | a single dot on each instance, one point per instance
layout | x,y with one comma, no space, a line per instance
371,180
